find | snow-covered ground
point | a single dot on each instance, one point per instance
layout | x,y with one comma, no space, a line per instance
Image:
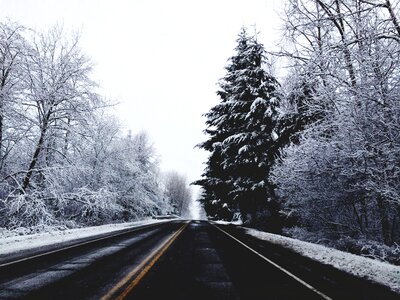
13,244
380,272
239,222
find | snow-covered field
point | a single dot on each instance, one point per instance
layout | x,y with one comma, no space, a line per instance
13,244
380,272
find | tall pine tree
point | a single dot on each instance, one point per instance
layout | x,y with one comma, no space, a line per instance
241,131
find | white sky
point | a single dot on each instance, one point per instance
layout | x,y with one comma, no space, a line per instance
159,59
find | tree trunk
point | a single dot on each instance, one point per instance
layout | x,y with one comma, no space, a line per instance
358,218
66,138
339,24
1,134
38,150
365,215
1,118
34,160
393,16
385,223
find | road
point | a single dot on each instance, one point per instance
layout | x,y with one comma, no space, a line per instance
178,260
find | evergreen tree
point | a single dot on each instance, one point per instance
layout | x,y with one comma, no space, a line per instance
215,187
242,136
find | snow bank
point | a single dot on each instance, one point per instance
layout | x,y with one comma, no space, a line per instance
380,272
14,244
238,222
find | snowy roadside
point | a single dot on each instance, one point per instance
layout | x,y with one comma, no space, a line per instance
380,272
13,244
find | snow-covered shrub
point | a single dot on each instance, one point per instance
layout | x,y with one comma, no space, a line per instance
26,210
363,247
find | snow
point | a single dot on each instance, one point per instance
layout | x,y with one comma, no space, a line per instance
377,271
274,135
238,222
13,244
243,149
256,103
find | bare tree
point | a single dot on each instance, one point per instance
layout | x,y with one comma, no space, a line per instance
57,89
63,157
12,47
343,174
178,191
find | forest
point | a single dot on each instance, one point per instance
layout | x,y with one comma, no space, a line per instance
315,156
65,159
312,154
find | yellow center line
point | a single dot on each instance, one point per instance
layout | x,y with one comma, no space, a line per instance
145,266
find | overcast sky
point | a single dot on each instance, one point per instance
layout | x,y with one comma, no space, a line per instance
161,60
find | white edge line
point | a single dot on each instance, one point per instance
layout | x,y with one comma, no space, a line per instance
278,266
83,243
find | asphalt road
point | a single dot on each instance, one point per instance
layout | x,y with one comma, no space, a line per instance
180,260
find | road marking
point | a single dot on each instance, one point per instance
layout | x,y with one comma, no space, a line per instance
124,231
145,266
277,266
